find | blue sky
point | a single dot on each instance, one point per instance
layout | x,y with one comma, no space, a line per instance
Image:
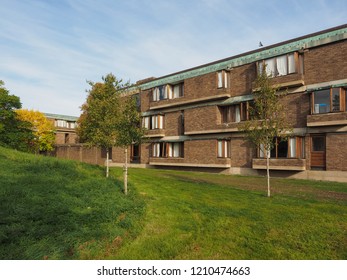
50,48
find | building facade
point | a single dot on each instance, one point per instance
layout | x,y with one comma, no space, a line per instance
193,117
65,128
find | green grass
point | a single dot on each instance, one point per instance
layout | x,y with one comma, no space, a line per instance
208,216
56,209
60,209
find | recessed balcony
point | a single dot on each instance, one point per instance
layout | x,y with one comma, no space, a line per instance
153,133
290,164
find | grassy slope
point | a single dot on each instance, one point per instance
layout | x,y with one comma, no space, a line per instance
209,216
59,209
62,210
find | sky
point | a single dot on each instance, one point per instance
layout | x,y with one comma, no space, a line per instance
49,49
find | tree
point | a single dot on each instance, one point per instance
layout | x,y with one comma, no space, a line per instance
43,129
129,130
100,113
267,119
14,133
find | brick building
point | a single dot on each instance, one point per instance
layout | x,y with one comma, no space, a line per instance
65,128
193,116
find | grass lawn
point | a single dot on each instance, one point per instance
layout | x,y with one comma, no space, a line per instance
209,216
56,209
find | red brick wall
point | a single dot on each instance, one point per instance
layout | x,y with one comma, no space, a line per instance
242,152
172,123
202,118
326,63
336,152
241,79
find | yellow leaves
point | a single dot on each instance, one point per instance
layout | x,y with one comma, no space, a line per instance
43,129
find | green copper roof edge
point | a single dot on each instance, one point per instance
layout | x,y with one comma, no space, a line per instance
300,44
61,117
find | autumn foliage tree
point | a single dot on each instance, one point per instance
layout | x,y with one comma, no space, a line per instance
43,130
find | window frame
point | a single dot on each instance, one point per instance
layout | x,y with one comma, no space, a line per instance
276,73
165,92
299,152
342,101
235,113
225,148
222,79
167,149
153,122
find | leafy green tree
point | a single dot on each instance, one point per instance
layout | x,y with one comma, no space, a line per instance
110,118
267,119
14,133
129,130
100,114
43,129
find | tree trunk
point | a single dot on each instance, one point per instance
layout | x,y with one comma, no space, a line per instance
107,164
125,170
268,171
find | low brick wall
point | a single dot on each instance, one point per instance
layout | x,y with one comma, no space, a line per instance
80,153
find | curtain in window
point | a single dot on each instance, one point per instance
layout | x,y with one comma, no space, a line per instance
291,64
146,122
156,94
270,67
176,91
281,65
158,149
237,113
220,79
176,149
153,119
261,151
170,150
160,121
220,149
292,144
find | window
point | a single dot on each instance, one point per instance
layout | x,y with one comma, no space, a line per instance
135,153
61,123
72,125
168,92
223,148
175,149
328,100
104,153
279,66
318,144
222,79
153,122
293,147
171,150
178,90
235,113
66,138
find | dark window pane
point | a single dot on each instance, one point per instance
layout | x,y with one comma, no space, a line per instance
282,149
318,143
336,100
322,101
